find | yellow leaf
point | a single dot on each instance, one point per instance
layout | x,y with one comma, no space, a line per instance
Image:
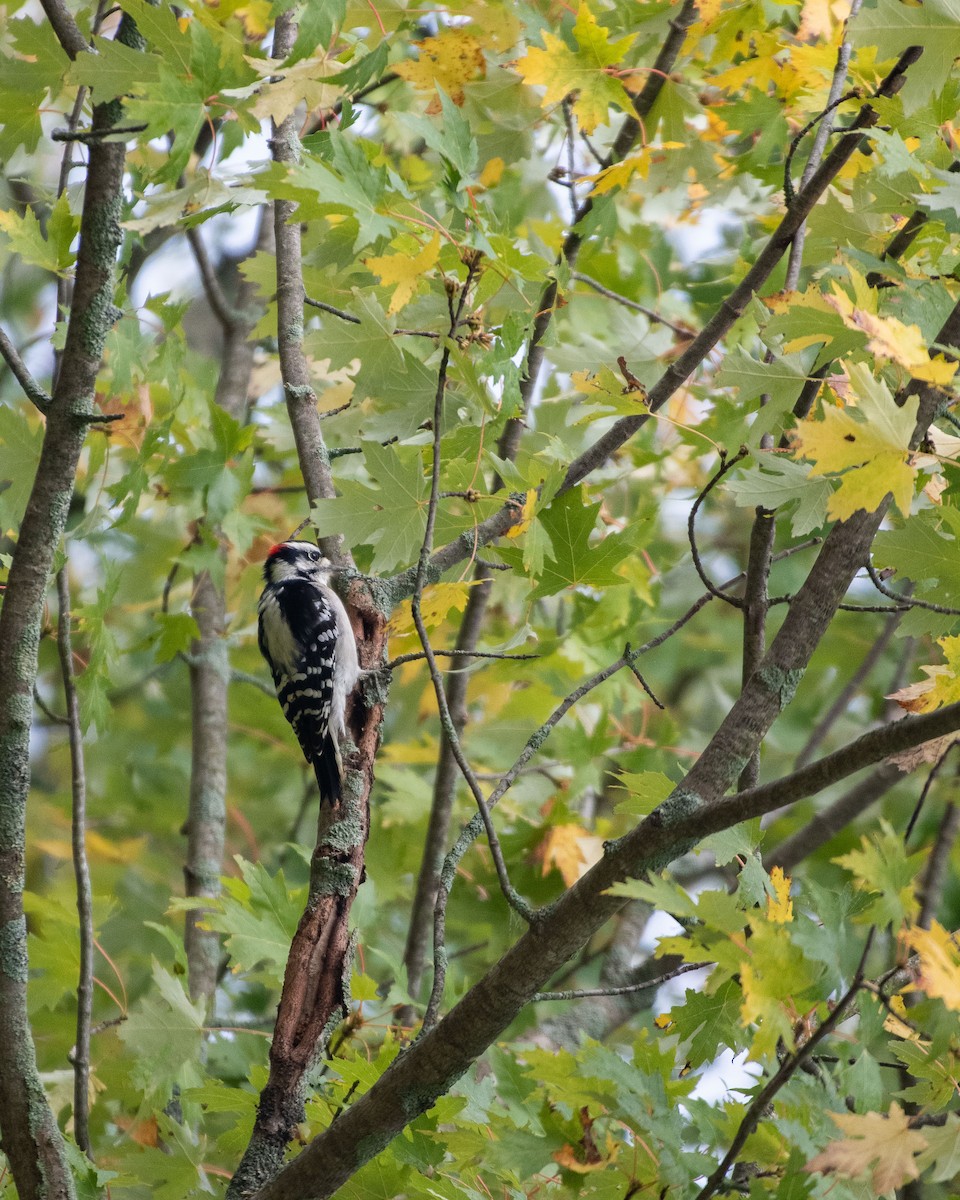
884,1145
570,849
492,172
447,61
405,271
255,17
436,602
283,88
620,174
903,344
942,685
869,450
563,71
939,963
816,20
779,905
663,1021
893,1025
523,524
99,848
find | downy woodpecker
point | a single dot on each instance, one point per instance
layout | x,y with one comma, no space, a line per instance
306,638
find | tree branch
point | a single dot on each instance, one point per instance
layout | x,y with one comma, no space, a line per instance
32,1140
18,368
81,870
733,306
67,31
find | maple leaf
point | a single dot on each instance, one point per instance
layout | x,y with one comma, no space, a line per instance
942,685
282,88
573,561
620,173
939,963
869,450
816,20
571,849
895,1026
885,1143
581,72
404,270
437,601
446,63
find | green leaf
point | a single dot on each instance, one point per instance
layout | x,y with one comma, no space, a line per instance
389,514
19,454
776,482
259,914
645,790
177,631
924,550
781,379
891,27
115,70
25,239
162,30
882,866
707,1020
573,561
164,1034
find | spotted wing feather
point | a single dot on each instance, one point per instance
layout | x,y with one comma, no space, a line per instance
304,675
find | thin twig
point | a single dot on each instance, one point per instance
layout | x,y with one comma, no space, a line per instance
680,330
418,655
789,193
842,702
47,710
907,601
220,306
81,871
935,872
725,466
513,898
921,800
18,368
345,316
627,990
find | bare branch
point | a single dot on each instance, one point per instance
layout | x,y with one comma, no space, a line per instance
682,331
627,990
903,600
18,368
725,466
937,866
847,693
220,306
81,871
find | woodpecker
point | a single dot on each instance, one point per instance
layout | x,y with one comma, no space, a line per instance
306,638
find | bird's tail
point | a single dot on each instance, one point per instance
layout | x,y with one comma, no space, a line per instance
328,768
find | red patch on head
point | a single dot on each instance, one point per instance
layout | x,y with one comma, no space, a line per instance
274,549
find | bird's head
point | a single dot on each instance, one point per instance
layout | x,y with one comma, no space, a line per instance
296,560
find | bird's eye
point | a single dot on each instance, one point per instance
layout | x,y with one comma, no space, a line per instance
315,555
